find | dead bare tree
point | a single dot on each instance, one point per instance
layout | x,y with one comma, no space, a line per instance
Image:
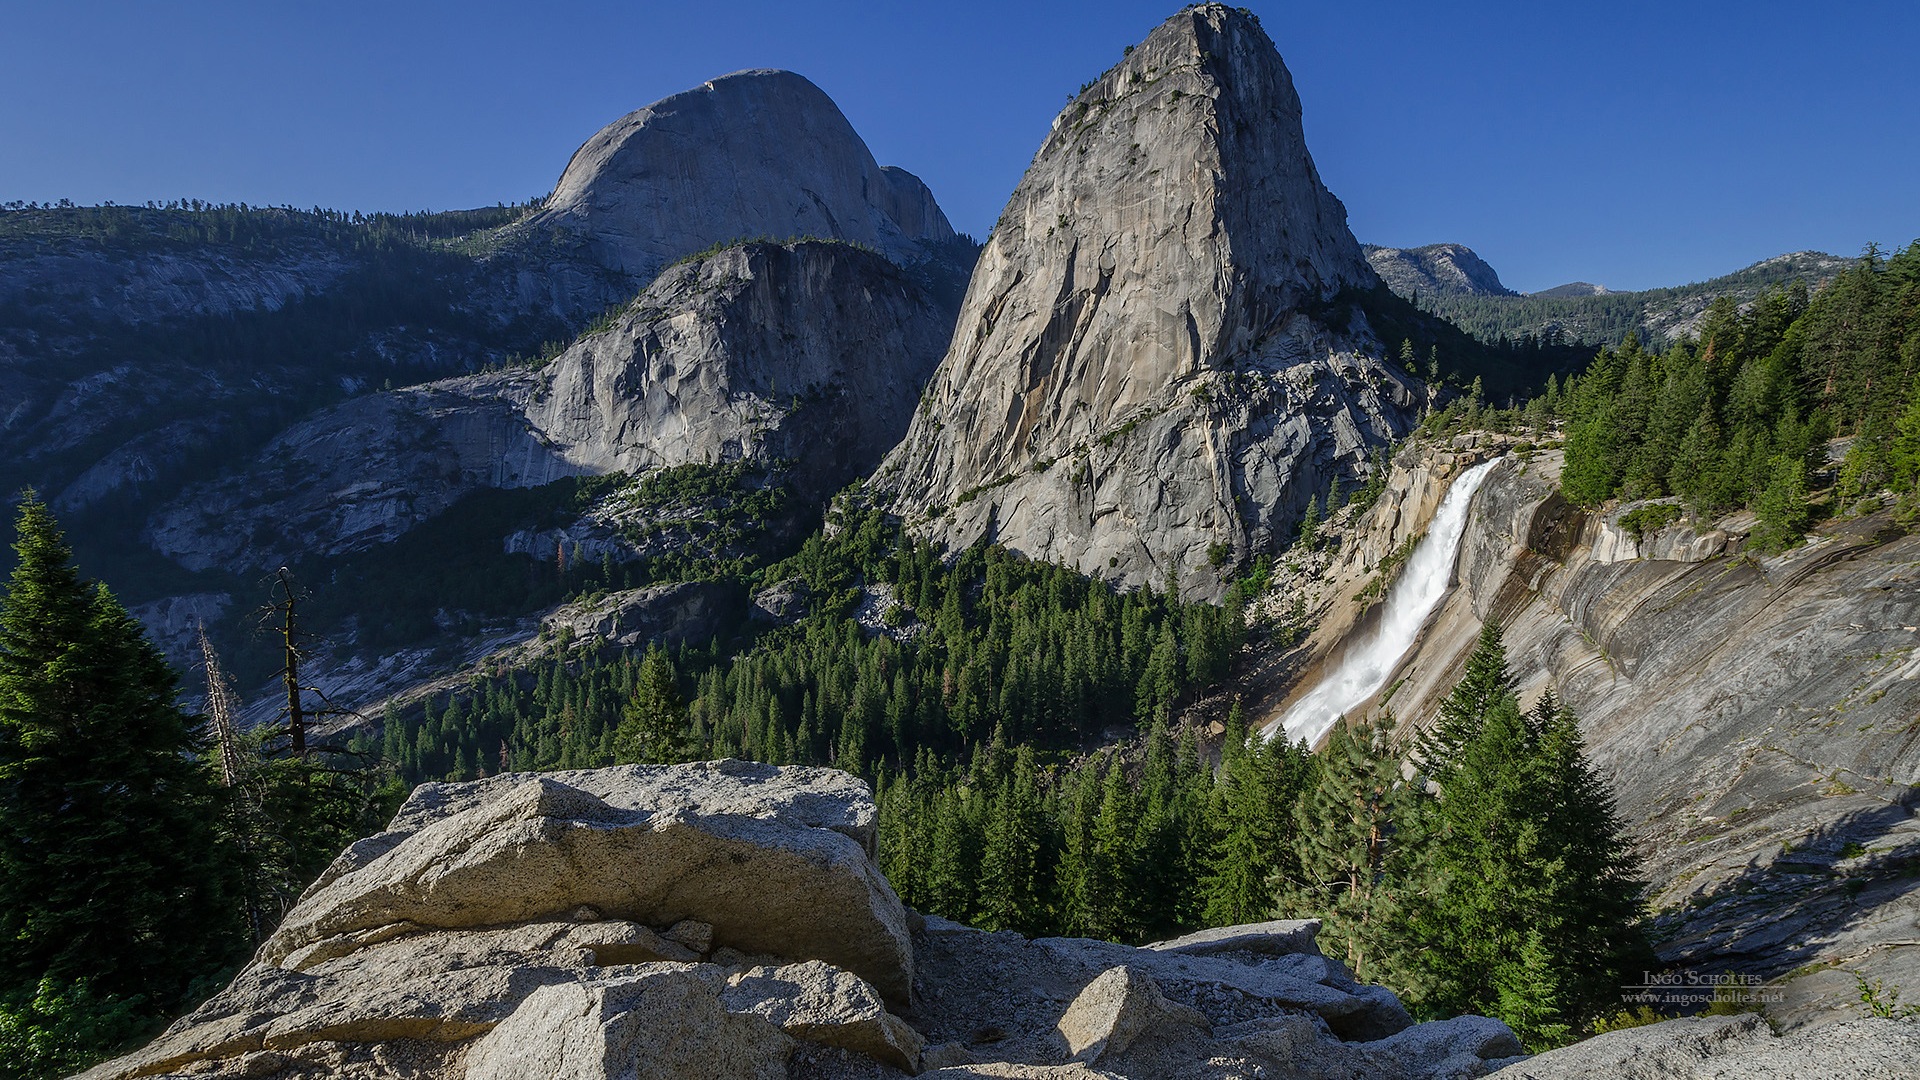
282,617
222,705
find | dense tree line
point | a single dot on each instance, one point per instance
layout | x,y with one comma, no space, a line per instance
1495,880
1606,318
985,642
1740,416
192,225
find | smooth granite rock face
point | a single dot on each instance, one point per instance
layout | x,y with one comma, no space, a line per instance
1138,374
1733,1048
1754,715
752,154
809,353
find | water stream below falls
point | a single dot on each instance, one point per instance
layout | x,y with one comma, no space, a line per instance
1414,595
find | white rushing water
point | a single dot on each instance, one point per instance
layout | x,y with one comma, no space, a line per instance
1422,582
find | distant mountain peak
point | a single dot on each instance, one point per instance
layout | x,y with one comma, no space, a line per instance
761,152
1449,269
1573,288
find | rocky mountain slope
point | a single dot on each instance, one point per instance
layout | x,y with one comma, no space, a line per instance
208,393
752,154
1145,370
725,920
1755,715
1453,269
761,351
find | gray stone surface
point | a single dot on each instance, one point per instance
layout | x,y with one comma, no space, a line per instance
1733,1048
821,1003
1133,378
754,153
1120,1005
1443,269
809,353
665,1024
746,848
1283,937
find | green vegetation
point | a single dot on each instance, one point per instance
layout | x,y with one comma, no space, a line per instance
113,895
1610,318
1498,881
133,873
1038,653
1644,521
1740,417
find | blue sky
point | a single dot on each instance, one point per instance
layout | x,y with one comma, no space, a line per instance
1630,144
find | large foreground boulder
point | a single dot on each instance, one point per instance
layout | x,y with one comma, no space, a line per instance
725,921
775,860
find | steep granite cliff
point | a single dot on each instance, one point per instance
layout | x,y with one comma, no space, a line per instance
1147,366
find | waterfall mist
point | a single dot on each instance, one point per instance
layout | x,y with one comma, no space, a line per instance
1414,595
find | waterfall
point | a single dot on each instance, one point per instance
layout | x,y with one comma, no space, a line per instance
1422,582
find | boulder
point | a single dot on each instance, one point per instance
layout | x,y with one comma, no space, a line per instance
772,865
1284,937
821,1003
1117,1008
664,1024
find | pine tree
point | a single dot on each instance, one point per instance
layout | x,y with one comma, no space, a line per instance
1527,904
1346,821
1781,511
112,880
653,724
1463,711
1016,869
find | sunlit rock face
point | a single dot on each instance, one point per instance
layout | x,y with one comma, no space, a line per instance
752,154
1149,364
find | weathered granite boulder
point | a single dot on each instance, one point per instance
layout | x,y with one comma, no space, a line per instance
749,849
1144,369
823,1004
1115,1009
663,1024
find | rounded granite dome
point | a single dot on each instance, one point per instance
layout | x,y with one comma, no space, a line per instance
760,153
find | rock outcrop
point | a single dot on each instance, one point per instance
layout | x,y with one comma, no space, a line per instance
755,153
1446,269
724,920
1728,1047
1147,366
810,356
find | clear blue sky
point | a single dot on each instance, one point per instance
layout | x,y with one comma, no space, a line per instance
1630,144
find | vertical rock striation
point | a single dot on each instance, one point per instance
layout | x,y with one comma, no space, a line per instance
1150,360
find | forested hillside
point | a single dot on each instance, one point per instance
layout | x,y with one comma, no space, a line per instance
1601,317
1742,416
